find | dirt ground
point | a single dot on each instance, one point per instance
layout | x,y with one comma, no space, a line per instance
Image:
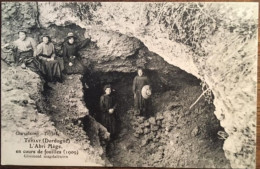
173,136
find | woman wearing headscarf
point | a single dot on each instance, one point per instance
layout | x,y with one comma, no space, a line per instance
49,66
72,59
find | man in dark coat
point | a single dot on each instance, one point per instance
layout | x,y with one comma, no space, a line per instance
107,107
140,103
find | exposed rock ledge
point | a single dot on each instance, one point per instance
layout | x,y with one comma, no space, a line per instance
226,70
21,101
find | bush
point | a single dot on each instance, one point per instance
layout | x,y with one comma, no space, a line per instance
192,23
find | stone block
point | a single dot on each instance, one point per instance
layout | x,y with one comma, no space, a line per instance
136,135
146,130
152,120
195,131
159,122
140,119
154,127
139,130
146,124
159,117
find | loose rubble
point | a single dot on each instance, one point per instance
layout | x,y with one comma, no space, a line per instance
166,137
24,109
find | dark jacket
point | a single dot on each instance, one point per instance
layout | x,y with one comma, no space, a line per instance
108,120
107,102
72,49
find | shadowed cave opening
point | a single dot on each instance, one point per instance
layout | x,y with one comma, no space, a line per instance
121,83
138,140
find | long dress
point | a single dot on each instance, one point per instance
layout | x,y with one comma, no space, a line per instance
140,103
70,51
108,120
52,69
25,50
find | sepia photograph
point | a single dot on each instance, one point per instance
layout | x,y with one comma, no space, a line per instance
129,84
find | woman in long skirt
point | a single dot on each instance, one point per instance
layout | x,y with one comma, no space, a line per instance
49,65
107,107
72,59
140,103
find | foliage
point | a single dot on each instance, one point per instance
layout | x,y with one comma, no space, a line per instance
192,23
206,27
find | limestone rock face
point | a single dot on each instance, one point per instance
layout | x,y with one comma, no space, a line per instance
224,72
16,16
195,131
114,51
24,110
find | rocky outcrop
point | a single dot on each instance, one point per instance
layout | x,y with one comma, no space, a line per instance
226,68
17,16
222,69
68,111
23,105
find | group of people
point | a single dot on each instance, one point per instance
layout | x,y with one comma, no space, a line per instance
42,58
108,104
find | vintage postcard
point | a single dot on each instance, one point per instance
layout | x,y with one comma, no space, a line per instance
129,84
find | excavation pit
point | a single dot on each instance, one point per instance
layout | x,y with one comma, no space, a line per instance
171,133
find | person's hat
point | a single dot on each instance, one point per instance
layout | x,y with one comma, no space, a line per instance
107,86
23,30
146,91
70,34
47,36
140,67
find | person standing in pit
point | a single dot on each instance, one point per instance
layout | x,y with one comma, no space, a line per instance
140,103
72,59
108,107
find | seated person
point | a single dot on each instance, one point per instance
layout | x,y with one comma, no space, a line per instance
107,107
72,59
49,65
24,50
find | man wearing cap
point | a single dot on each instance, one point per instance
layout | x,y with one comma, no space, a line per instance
72,59
25,51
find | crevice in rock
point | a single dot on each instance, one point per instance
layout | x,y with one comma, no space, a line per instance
63,104
37,13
